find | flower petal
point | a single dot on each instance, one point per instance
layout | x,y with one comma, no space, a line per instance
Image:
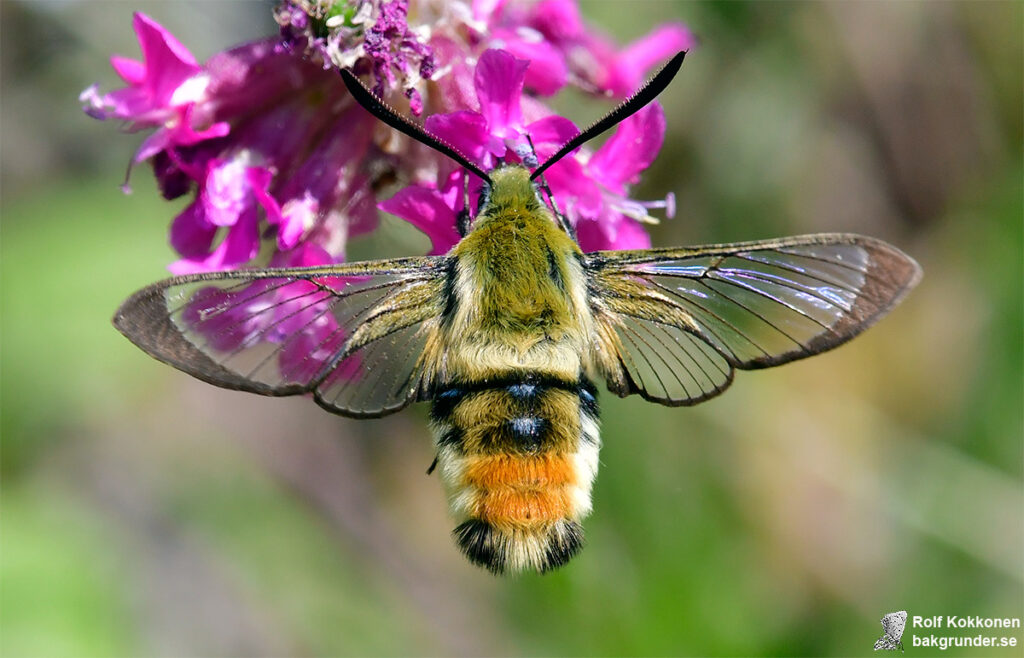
426,210
191,235
240,245
548,71
482,10
550,133
168,63
306,254
155,143
225,194
465,130
595,235
630,234
292,219
630,150
575,191
499,81
558,20
136,104
634,63
131,71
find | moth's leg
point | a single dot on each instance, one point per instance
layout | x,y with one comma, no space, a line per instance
563,221
462,220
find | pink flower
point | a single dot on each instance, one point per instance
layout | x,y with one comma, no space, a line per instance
430,211
273,161
552,35
232,191
548,71
486,137
162,91
623,72
279,159
321,196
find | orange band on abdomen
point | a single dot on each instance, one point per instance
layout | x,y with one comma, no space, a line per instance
494,471
523,507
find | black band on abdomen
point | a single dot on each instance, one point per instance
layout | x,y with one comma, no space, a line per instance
520,386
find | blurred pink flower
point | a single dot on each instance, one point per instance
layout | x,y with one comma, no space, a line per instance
553,35
232,192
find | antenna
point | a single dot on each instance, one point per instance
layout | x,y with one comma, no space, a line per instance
627,108
388,115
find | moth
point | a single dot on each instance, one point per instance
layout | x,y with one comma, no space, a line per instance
507,335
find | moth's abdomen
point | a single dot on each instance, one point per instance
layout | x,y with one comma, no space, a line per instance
519,458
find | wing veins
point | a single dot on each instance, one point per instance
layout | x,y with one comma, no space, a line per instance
248,343
377,346
710,270
325,371
657,376
413,348
386,311
796,270
371,351
373,348
234,288
668,348
317,380
707,327
753,313
625,355
795,309
821,259
345,351
266,330
377,286
294,335
690,337
763,277
672,370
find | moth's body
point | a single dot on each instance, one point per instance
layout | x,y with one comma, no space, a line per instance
506,333
514,412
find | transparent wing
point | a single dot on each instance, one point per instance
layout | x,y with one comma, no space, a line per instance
352,335
674,323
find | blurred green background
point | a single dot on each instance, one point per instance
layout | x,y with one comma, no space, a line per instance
145,513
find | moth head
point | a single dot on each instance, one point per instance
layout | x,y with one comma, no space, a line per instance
510,185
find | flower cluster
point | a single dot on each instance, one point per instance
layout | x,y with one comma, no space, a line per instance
283,167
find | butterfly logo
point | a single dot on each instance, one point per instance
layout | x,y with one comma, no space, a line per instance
892,625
